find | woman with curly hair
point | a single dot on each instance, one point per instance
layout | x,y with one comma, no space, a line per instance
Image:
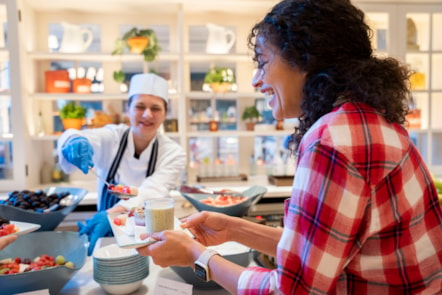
364,216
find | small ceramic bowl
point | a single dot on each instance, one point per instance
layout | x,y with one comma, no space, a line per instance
48,221
253,194
123,288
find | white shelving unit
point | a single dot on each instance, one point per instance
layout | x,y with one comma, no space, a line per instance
411,32
183,57
179,17
13,155
426,59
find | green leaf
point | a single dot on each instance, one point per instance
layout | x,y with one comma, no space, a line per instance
131,33
219,75
250,113
71,110
119,46
119,76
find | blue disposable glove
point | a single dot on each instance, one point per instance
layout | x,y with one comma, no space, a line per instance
96,227
78,151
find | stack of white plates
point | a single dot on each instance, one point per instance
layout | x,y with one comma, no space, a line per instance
118,270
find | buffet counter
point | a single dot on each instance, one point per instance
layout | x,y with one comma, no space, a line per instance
83,283
271,203
270,208
273,191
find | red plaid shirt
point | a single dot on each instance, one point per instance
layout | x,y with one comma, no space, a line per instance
364,216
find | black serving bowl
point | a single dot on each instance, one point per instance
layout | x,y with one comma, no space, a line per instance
253,194
50,220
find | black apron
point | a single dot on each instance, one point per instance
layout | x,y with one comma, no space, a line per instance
107,199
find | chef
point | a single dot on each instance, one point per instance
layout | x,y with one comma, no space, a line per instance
138,155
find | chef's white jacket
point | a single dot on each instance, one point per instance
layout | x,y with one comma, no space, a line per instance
105,141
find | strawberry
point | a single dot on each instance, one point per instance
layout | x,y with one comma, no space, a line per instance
117,221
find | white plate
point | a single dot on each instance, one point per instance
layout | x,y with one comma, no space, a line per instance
114,252
122,195
24,227
132,241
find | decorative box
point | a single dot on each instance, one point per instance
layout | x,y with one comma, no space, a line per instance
57,81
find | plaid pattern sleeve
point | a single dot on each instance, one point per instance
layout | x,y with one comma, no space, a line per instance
363,218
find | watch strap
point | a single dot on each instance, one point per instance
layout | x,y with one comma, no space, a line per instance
206,255
203,261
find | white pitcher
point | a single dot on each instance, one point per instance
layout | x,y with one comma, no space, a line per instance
74,38
220,39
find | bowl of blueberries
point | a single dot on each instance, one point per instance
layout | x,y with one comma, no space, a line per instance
47,207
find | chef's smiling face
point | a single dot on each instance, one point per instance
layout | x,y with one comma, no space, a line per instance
146,113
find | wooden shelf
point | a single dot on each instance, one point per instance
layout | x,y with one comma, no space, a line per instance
42,96
98,57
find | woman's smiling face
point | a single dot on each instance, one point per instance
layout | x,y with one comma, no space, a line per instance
282,82
146,114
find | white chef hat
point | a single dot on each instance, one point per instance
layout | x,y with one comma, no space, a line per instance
149,84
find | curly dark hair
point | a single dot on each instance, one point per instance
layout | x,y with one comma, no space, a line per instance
330,42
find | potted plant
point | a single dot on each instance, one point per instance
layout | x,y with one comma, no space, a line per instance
250,115
220,79
142,41
120,77
73,115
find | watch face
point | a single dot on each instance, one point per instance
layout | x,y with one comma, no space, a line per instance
201,272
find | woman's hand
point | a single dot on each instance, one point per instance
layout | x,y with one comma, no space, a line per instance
212,228
173,247
209,228
6,240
